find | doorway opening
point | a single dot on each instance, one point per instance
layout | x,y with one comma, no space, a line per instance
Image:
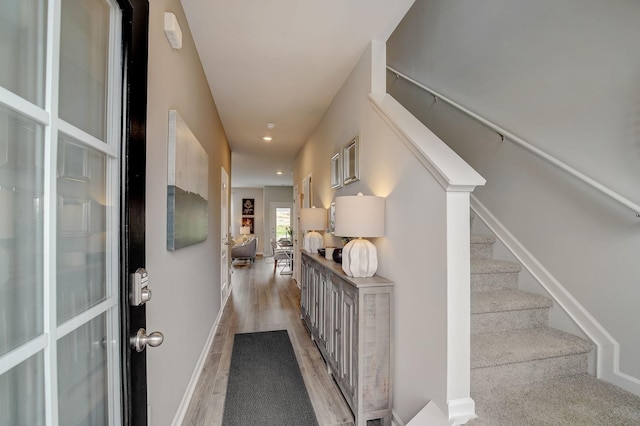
281,222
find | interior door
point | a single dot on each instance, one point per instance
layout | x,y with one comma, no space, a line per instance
63,238
225,279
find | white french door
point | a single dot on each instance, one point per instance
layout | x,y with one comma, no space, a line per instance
60,142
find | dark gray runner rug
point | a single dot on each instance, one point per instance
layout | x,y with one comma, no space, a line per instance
265,383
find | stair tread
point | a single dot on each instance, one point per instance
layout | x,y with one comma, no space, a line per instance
492,266
578,400
483,302
482,239
507,347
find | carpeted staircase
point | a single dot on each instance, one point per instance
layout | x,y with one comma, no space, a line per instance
522,371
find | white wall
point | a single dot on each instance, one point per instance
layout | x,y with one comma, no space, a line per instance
185,304
413,251
565,76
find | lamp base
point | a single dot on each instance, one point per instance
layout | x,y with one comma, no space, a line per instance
312,242
360,258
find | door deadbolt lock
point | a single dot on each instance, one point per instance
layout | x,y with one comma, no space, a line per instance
139,291
141,339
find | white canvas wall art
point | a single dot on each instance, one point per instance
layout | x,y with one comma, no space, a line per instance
187,186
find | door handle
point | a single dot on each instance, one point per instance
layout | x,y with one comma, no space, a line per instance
141,339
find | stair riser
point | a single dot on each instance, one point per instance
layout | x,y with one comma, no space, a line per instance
482,251
496,281
525,373
510,320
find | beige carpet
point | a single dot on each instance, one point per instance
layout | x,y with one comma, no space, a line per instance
580,400
525,373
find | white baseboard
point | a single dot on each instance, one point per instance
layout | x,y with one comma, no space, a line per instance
395,419
191,387
460,412
608,349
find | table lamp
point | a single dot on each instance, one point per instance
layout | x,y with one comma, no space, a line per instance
359,216
244,231
312,220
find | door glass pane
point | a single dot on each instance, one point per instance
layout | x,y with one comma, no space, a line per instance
22,393
84,49
82,375
283,223
22,39
21,231
81,228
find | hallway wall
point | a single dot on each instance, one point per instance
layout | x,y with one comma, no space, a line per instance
185,304
564,76
389,169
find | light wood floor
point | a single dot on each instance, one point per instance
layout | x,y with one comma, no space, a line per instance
264,301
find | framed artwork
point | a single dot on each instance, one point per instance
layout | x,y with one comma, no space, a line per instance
248,206
350,161
187,186
336,171
306,192
332,218
248,221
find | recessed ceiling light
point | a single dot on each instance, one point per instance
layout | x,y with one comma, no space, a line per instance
267,138
279,172
270,125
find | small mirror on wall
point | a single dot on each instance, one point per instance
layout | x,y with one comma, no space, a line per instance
336,171
350,157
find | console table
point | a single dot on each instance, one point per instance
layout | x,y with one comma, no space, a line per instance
350,321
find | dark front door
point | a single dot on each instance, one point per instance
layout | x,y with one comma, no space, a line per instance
72,167
133,297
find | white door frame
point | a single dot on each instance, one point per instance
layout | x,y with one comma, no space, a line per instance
295,224
225,230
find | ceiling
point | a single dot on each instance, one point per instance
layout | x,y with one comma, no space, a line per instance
281,62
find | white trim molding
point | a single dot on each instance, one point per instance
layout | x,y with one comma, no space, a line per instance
458,179
461,411
607,348
451,171
395,419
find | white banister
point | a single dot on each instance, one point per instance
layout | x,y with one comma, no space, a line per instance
526,145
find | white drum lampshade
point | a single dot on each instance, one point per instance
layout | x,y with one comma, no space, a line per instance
244,231
360,216
312,220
